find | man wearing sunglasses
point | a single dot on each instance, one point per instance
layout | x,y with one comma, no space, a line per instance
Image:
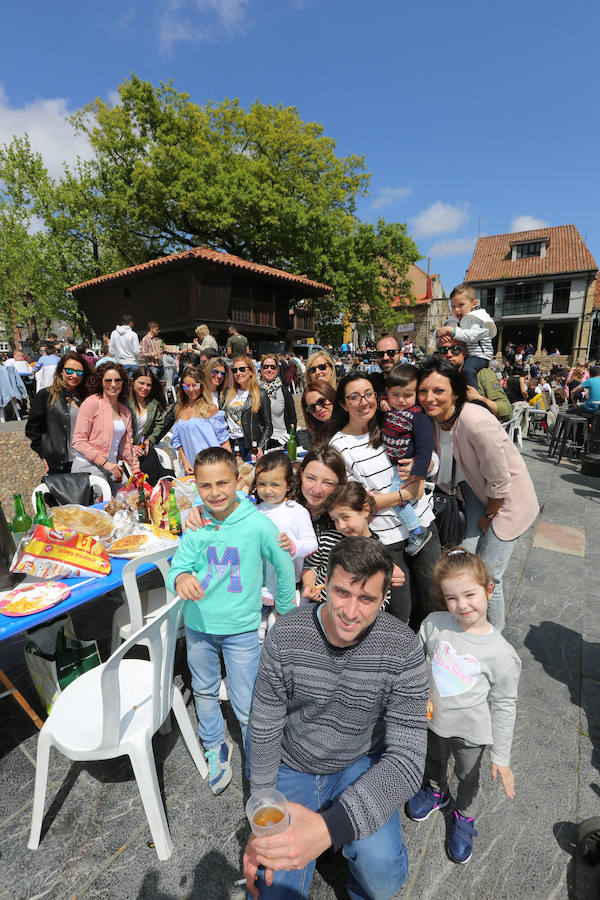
388,355
489,391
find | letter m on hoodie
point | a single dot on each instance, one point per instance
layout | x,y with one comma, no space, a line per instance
231,559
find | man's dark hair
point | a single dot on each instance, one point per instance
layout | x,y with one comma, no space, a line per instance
50,348
209,353
362,558
127,318
402,375
213,456
594,371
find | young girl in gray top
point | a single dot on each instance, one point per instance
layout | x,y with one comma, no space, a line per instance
474,678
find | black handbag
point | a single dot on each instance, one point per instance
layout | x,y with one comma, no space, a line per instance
449,512
69,487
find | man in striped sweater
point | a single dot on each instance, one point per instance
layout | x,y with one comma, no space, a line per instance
339,725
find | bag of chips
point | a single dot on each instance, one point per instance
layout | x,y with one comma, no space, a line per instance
49,553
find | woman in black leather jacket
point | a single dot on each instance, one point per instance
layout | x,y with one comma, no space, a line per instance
247,410
53,413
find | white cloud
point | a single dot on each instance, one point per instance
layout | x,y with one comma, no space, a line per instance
439,218
197,21
387,195
453,246
527,223
49,133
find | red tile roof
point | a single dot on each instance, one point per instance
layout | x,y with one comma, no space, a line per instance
565,252
210,255
597,293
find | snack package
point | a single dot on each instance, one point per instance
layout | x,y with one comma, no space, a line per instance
185,495
129,492
48,553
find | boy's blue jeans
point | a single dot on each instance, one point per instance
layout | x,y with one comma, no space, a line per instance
378,864
241,653
471,366
406,513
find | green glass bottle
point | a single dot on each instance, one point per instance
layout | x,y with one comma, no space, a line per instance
142,507
173,515
292,447
42,516
21,521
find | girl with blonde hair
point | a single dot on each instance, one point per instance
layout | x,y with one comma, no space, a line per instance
198,422
247,410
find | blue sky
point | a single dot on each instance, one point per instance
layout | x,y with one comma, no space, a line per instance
472,116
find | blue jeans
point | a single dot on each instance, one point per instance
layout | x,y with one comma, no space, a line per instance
406,513
494,552
471,366
241,653
378,864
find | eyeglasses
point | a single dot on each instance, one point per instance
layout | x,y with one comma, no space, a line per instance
321,403
455,351
191,387
217,373
321,367
390,353
268,366
240,369
355,399
112,381
78,372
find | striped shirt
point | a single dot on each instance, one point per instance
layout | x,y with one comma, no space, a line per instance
372,468
318,708
476,329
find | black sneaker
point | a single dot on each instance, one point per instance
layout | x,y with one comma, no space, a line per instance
460,844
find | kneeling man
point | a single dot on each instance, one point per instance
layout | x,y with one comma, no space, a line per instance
339,725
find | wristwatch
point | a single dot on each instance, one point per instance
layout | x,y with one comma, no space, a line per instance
490,516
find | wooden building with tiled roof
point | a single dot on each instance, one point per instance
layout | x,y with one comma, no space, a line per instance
539,288
204,286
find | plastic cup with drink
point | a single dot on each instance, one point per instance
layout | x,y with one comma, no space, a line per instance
267,812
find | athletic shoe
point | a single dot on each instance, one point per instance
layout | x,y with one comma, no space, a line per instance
219,767
424,803
416,541
460,844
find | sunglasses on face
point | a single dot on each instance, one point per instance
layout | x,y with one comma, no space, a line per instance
321,403
321,367
112,381
357,398
191,387
78,372
240,369
218,374
268,366
455,351
382,353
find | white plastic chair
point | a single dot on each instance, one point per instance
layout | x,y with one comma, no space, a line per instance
140,609
44,377
170,391
164,457
514,431
13,404
114,710
176,464
95,481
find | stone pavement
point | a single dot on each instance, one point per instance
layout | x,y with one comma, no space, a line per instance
95,842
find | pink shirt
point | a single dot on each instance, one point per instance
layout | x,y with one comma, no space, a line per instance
493,467
93,432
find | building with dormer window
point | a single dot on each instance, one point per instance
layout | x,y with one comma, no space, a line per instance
538,286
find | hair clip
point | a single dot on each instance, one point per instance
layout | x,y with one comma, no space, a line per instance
454,552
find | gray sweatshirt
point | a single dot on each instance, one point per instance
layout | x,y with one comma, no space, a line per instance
474,680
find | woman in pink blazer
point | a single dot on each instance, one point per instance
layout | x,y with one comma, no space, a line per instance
500,500
102,434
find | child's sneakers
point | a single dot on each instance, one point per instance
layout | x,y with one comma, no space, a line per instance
416,541
219,767
460,844
425,802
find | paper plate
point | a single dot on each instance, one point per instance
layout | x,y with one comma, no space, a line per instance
29,599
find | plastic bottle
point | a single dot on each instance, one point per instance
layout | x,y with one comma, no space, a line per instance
291,445
254,453
21,522
142,508
42,516
174,516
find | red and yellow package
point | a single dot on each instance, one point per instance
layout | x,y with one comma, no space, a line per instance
49,553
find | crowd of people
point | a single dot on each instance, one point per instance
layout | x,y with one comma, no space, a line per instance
362,651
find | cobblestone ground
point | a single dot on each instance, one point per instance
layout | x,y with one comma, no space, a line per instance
20,468
96,844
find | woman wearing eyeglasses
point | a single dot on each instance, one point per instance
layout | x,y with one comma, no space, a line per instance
317,405
360,443
247,409
320,367
53,413
198,422
283,408
103,435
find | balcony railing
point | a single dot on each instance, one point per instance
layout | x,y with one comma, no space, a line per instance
248,312
522,307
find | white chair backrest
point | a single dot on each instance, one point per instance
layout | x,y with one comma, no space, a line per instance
169,375
160,636
130,585
44,377
102,483
165,460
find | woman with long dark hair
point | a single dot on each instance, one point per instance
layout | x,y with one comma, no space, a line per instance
500,501
147,405
318,402
53,413
103,434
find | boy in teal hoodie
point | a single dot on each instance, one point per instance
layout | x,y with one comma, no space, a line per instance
218,569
